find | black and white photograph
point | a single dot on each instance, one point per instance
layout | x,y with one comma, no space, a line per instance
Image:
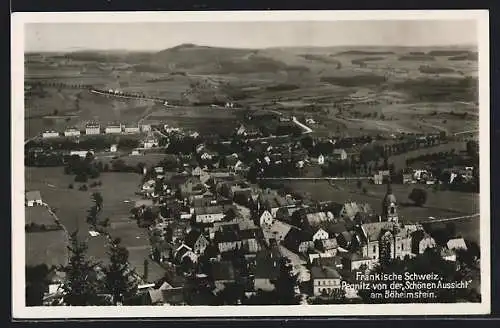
250,164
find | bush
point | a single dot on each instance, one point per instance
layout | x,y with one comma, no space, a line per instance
418,196
83,188
82,177
70,186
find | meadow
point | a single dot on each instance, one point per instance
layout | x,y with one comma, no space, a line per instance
71,207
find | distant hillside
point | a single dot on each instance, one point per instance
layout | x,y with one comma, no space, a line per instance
417,58
447,52
364,52
220,60
108,56
468,56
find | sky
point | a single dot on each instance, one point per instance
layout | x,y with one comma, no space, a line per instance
158,36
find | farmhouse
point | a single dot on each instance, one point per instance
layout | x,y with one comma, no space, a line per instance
92,129
325,280
151,142
33,198
72,132
50,134
113,148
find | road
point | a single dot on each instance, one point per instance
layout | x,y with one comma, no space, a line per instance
126,97
465,132
302,125
59,223
451,219
318,179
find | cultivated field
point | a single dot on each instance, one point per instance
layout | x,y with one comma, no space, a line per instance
38,215
72,205
388,88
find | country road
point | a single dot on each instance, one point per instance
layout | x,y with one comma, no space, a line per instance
465,132
318,179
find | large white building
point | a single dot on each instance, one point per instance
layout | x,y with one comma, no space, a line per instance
132,129
111,129
81,153
71,132
93,129
50,134
146,127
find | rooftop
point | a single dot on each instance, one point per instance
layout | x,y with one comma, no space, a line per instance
33,195
324,272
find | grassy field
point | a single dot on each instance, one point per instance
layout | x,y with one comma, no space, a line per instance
71,207
38,215
440,204
399,161
47,247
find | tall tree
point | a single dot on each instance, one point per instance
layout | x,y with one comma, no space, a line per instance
81,285
98,200
36,284
119,281
285,284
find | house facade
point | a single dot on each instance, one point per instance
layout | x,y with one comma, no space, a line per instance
209,214
71,132
93,129
50,134
325,280
113,129
320,234
266,219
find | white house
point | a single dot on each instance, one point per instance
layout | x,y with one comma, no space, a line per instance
151,143
456,243
320,234
81,153
266,219
321,159
209,214
50,134
113,148
146,127
113,129
33,198
92,129
325,280
71,133
132,129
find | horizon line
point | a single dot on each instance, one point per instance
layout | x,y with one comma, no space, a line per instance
77,49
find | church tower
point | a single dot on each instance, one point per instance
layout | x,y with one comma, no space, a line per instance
389,206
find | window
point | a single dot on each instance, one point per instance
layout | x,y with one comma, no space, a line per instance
374,248
392,210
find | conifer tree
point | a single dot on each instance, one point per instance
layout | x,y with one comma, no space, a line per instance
119,281
81,285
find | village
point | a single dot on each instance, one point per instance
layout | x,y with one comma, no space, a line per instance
225,233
